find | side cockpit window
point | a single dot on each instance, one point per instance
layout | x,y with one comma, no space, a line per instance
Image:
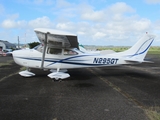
70,52
39,48
54,51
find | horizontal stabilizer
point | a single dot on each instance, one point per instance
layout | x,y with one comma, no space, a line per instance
148,61
137,61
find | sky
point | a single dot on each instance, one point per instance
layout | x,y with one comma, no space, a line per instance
95,22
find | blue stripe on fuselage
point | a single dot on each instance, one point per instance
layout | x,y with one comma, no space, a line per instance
66,60
140,48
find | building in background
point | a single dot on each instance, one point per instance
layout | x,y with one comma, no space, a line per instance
5,45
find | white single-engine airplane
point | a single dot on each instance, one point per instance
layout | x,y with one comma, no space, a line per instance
59,51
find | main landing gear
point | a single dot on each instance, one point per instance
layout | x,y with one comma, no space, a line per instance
56,75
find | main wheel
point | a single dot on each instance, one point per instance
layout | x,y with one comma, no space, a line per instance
56,78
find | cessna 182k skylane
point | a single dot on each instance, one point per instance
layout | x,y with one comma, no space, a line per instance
59,51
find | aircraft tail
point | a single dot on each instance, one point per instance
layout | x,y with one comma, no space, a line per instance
139,50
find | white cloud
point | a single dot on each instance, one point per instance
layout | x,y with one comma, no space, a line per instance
65,26
119,11
116,22
12,22
157,25
142,25
111,23
8,24
93,16
22,24
99,35
120,7
62,4
115,11
40,22
88,13
64,11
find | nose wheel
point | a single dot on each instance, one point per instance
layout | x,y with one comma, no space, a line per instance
26,73
56,80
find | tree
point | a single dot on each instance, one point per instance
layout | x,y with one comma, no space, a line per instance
33,44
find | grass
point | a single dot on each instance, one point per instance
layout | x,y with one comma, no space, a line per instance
152,50
116,49
153,113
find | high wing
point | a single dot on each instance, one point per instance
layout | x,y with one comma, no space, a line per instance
57,38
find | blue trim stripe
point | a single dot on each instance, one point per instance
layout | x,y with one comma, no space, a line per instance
68,60
140,48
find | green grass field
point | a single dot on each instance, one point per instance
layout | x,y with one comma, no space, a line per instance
152,50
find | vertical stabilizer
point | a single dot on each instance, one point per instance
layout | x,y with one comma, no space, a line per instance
139,50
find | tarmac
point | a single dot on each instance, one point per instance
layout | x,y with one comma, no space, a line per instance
109,93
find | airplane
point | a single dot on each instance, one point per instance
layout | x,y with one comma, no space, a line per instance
59,51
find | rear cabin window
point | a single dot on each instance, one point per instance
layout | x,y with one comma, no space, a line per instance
70,52
54,51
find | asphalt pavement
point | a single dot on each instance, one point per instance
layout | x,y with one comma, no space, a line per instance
113,93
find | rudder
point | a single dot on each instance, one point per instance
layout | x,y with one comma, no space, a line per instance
139,50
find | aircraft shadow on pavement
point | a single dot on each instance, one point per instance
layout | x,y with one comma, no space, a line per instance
79,74
124,71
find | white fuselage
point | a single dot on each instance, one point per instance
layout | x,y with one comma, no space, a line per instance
32,58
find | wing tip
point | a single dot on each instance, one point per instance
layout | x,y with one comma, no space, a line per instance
54,31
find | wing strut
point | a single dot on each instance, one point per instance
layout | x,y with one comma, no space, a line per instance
44,50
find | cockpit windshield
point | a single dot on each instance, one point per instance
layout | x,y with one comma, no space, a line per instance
39,48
